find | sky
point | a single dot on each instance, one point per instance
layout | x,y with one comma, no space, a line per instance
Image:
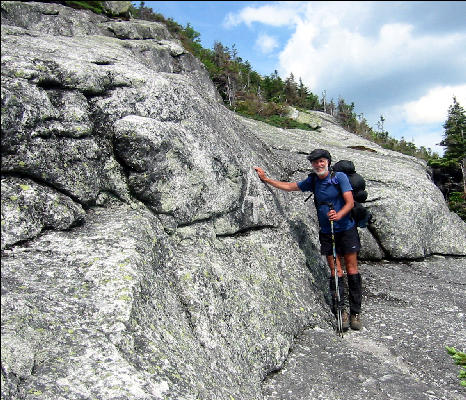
403,60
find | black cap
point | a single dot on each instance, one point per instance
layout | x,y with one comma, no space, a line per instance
319,153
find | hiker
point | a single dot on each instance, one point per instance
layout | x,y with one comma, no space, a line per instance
326,192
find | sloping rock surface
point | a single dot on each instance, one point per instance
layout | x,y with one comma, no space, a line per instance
410,217
141,255
117,309
412,312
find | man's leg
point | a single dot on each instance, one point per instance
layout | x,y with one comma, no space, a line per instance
355,289
332,268
341,290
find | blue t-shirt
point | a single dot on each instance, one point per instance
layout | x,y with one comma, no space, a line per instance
327,191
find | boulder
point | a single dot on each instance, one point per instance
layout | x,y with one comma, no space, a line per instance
116,8
52,18
117,308
306,117
28,208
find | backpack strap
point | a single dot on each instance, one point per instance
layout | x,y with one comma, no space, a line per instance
313,177
361,221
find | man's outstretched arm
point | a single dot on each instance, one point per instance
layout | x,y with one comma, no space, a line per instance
287,186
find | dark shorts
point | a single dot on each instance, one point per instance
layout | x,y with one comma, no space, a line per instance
345,242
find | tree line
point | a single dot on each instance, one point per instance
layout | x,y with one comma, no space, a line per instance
451,168
268,98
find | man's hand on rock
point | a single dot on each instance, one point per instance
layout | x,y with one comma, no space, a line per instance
260,173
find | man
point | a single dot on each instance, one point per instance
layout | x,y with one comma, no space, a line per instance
334,189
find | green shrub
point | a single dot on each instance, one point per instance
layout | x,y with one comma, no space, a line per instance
457,204
278,121
460,359
94,6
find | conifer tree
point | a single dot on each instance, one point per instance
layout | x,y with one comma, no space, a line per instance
454,138
291,90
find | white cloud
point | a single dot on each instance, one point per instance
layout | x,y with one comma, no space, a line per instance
380,55
327,58
266,44
429,140
335,42
433,106
277,14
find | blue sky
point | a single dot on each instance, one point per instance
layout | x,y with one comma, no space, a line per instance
402,60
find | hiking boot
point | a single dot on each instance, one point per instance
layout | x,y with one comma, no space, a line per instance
355,322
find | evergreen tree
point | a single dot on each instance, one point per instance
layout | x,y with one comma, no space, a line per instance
291,90
346,116
450,169
227,76
454,138
380,123
312,102
277,87
331,108
192,34
302,93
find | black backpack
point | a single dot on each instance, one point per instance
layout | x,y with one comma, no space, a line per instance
359,213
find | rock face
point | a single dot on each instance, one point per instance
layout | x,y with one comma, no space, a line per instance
116,7
411,220
28,208
141,255
397,355
311,118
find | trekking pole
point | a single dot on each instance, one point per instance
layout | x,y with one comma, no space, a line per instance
337,289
